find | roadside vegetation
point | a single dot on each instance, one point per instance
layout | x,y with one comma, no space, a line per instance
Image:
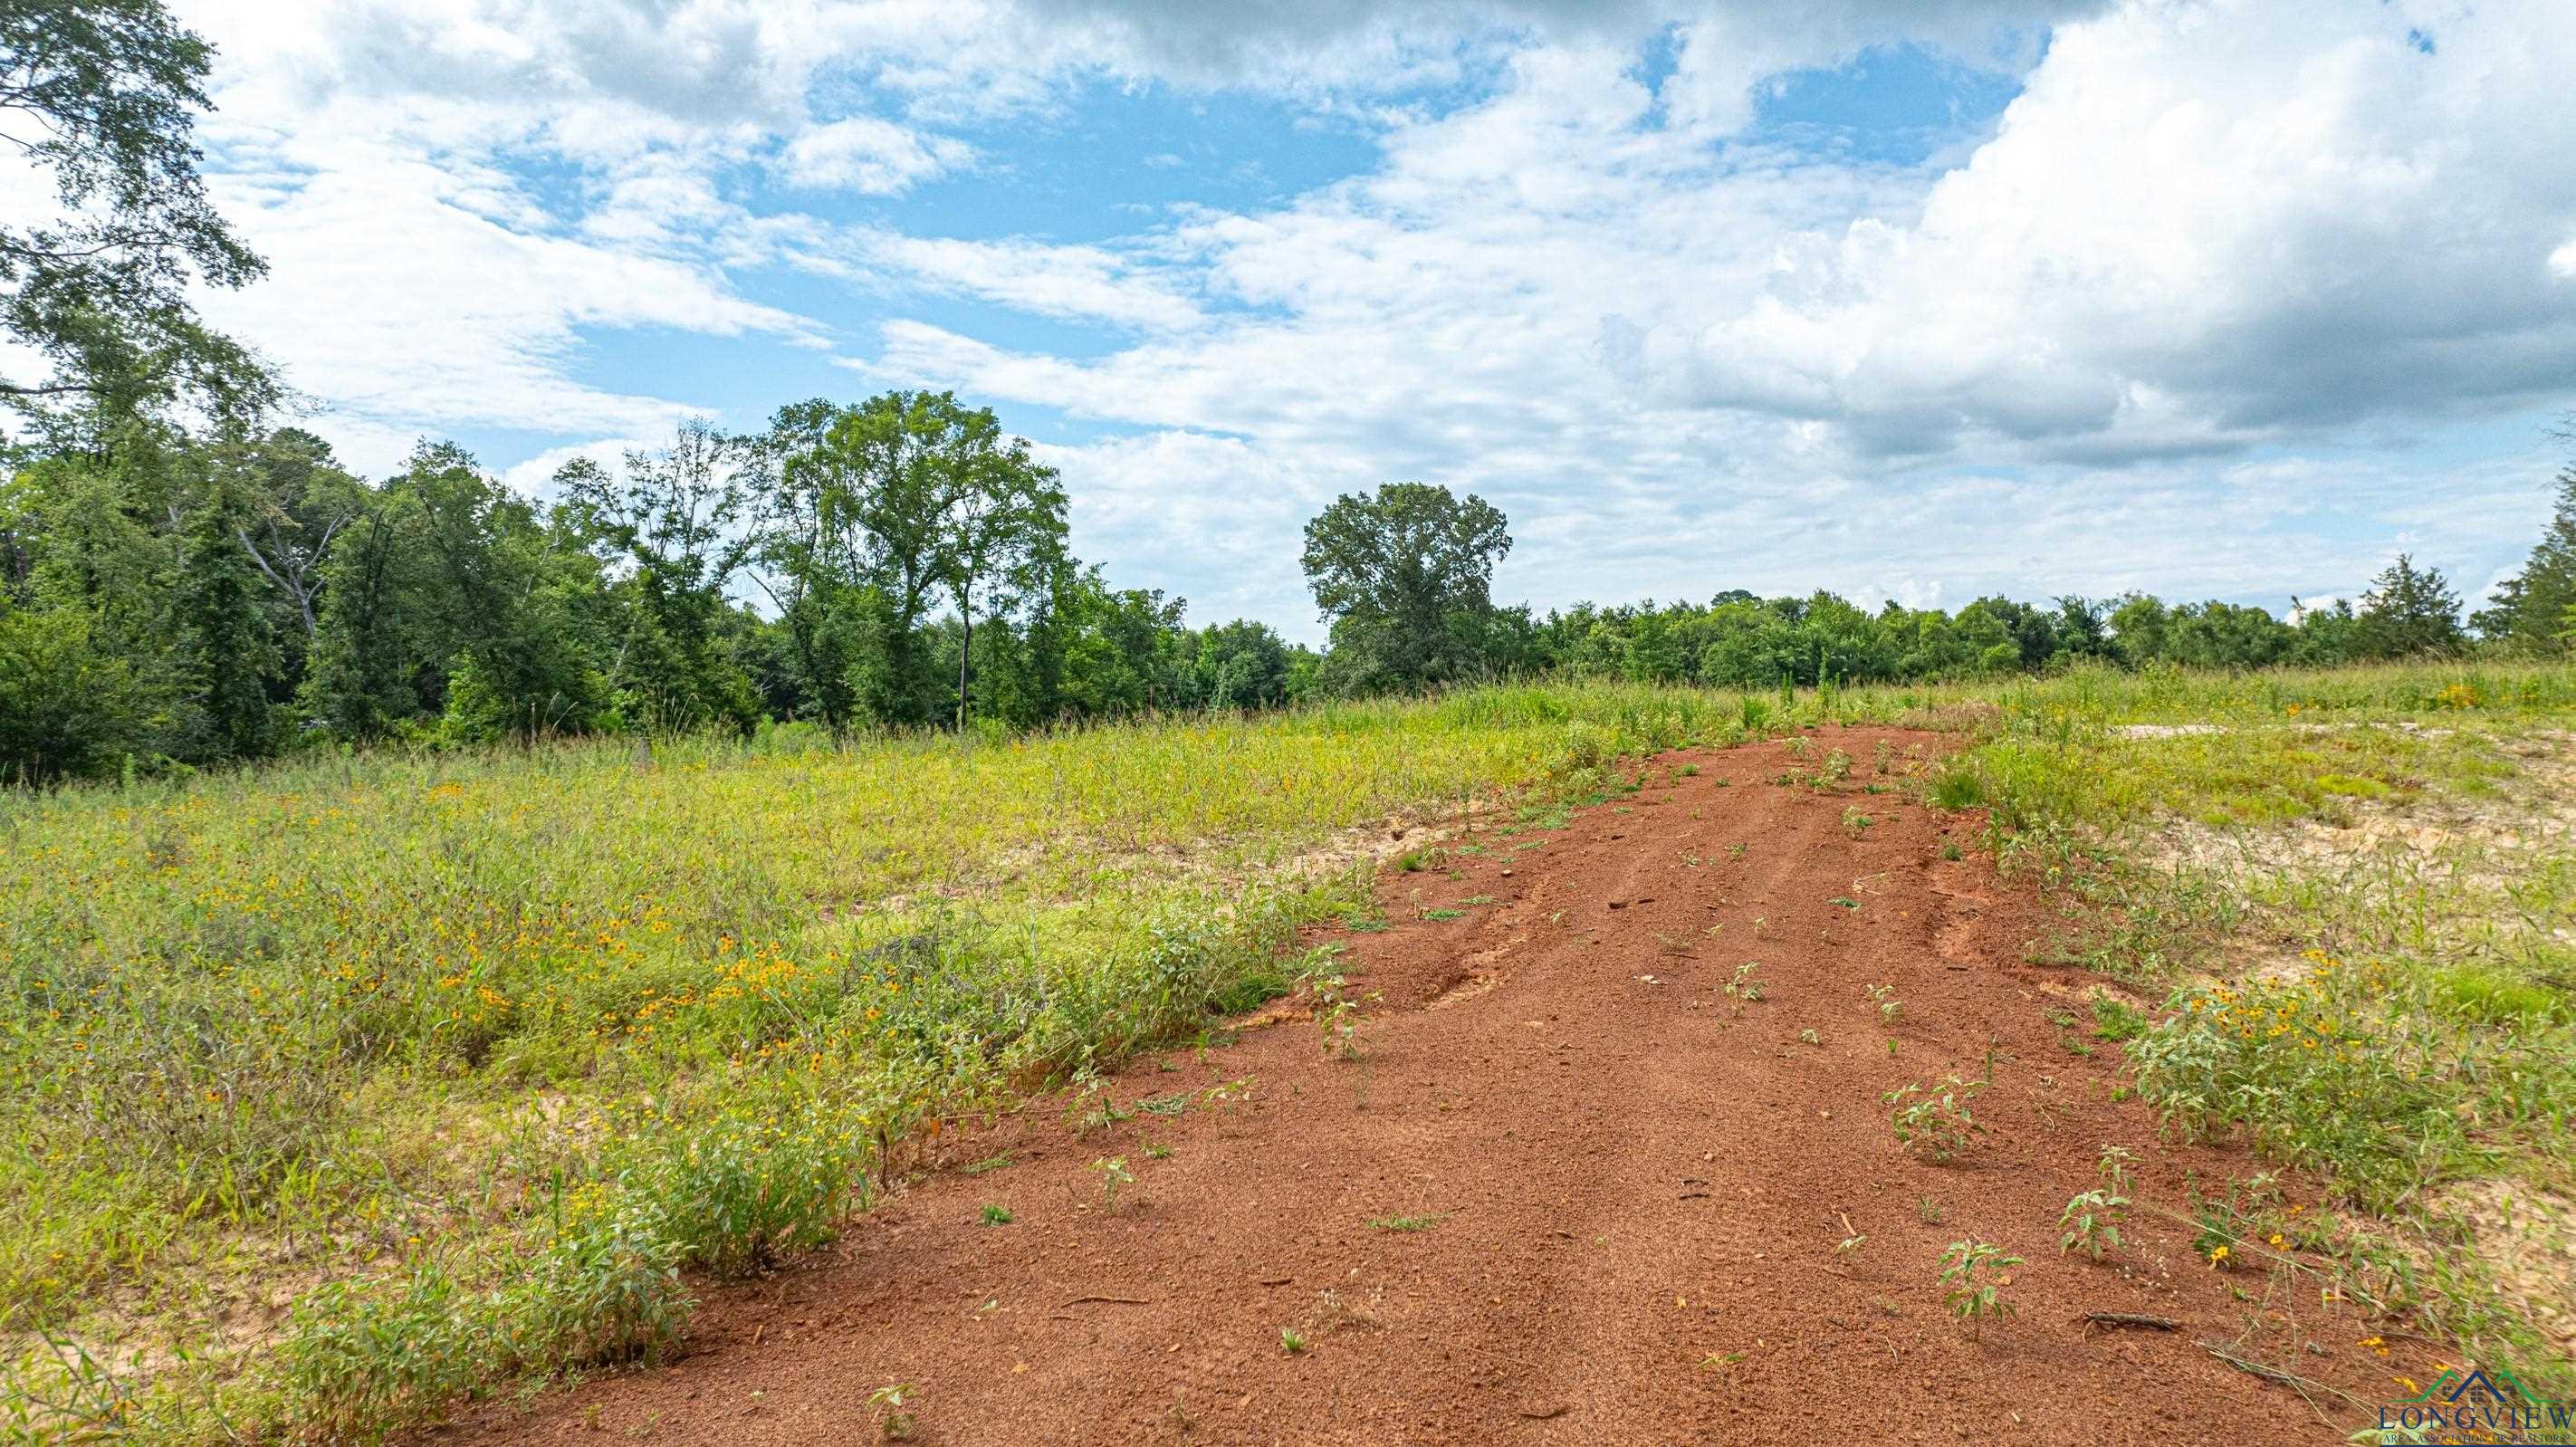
2350,897
330,1093
340,1091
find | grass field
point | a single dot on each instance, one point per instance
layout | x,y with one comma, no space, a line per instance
333,1092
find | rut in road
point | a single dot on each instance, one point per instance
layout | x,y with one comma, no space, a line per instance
1630,1187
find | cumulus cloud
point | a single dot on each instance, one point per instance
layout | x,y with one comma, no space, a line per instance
2210,249
865,154
2212,223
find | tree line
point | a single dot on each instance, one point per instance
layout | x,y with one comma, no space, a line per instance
184,583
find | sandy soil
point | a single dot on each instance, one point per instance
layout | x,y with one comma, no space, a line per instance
1636,1183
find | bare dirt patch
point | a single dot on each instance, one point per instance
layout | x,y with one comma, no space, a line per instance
1592,1196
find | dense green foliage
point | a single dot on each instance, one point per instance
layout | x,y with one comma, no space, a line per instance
170,601
103,96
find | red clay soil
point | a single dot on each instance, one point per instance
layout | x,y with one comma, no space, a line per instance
1634,1187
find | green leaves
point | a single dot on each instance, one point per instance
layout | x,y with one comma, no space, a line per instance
1974,1274
1406,577
110,89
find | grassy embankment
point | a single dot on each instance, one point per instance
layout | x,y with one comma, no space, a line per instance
333,1092
2353,896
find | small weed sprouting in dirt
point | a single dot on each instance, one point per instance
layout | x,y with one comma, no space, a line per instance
1291,1340
1744,986
1403,1223
1955,789
1476,899
1854,822
1438,915
1688,771
1927,1210
1950,849
2116,1019
1851,1243
888,1406
1798,746
989,1163
1091,1107
1736,850
1158,1152
1113,1174
1969,1292
1226,1094
1337,1016
2092,1220
1939,1123
1994,1052
996,1215
1846,901
1810,1037
1890,1008
1414,861
2113,1169
1172,1104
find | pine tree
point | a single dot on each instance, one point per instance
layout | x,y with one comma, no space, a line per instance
2532,608
2409,612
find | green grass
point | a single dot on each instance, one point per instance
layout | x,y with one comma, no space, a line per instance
453,1065
365,1044
2359,905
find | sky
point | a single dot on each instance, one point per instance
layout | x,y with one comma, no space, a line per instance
1911,299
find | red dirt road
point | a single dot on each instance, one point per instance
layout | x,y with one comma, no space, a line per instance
1636,1186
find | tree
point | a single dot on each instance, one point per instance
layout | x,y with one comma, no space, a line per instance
871,512
1241,664
103,94
1005,519
451,600
2532,608
300,500
2408,612
66,708
229,648
1404,577
678,522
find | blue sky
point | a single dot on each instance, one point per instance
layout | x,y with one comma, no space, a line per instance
2231,298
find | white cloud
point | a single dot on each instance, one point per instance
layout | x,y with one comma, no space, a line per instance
2202,223
863,153
2207,231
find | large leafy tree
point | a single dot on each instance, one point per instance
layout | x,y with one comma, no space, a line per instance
877,511
1005,526
678,523
103,95
1242,664
453,601
1405,575
298,498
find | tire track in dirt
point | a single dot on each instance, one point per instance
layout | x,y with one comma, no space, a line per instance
1638,1183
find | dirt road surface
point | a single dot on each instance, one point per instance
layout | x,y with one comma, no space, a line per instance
1573,1190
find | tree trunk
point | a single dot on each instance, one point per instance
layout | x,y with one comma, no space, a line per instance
965,650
